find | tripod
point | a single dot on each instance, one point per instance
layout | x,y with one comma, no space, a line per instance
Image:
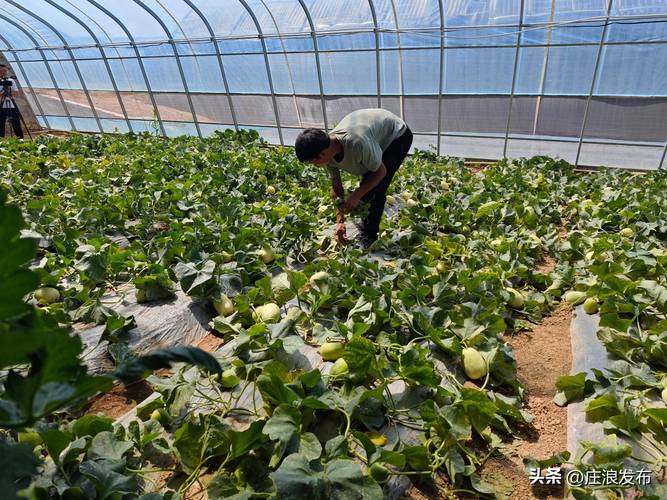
8,97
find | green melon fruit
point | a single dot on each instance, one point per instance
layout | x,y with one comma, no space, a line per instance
318,276
160,415
339,368
294,313
390,199
535,238
574,298
224,306
517,299
627,232
268,313
228,378
411,203
270,190
30,437
474,364
440,267
331,351
444,185
47,295
554,288
267,255
591,305
226,256
664,395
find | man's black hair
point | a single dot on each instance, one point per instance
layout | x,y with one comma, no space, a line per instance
310,143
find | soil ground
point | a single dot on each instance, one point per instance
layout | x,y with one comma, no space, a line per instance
210,343
119,400
538,374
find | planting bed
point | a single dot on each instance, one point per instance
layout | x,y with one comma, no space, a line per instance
448,359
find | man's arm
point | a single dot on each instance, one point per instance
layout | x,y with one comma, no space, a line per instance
373,180
337,192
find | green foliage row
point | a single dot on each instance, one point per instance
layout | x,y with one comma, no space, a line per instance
462,271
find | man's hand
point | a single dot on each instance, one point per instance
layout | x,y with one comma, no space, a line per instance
340,234
351,202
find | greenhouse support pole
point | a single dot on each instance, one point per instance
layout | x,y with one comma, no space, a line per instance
27,81
104,58
598,57
317,64
514,73
219,56
377,52
177,57
71,54
140,61
48,68
287,64
401,83
260,33
662,158
545,64
441,10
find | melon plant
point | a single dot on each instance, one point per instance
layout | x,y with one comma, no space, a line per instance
379,472
281,288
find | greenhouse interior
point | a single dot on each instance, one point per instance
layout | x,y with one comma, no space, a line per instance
399,249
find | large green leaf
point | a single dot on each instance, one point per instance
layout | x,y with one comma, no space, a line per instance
139,367
18,465
338,479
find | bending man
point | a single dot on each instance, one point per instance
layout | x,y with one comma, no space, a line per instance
369,143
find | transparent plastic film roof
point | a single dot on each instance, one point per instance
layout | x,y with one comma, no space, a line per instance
585,80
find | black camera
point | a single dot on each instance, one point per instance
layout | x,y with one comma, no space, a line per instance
6,84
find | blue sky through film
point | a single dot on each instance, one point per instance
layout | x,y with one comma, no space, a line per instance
476,61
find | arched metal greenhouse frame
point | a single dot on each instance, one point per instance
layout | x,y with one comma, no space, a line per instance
584,80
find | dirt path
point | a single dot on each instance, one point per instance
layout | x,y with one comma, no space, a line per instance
542,355
119,400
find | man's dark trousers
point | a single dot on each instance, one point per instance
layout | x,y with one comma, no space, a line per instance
392,157
13,115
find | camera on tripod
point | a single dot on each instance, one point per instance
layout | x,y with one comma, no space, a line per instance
6,84
9,109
